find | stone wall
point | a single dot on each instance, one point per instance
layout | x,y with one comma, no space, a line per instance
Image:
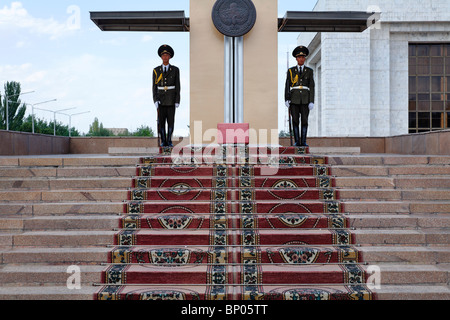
20,143
23,144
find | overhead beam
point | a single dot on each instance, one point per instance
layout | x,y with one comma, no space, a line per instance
325,21
176,21
163,21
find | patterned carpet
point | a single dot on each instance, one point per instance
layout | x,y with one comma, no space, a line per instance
234,223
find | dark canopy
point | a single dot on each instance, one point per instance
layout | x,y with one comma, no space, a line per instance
176,21
141,21
324,21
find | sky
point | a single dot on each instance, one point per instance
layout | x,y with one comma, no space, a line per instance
56,52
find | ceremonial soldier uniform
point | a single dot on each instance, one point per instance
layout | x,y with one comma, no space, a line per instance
166,95
299,95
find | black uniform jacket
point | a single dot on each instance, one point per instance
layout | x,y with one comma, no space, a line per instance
163,90
293,79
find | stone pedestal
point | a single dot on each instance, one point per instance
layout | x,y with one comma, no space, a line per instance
260,74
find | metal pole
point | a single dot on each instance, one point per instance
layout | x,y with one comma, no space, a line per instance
32,112
32,118
7,106
7,114
70,119
289,109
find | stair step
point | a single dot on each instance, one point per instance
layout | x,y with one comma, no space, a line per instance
53,209
391,170
406,182
266,254
47,293
62,195
60,172
236,221
249,274
93,222
51,255
205,221
394,194
185,193
399,236
204,237
223,171
65,183
406,206
44,274
294,254
227,182
388,159
219,206
56,161
223,206
220,237
105,160
197,193
398,221
288,274
58,238
386,292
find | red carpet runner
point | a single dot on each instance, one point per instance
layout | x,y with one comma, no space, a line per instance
260,224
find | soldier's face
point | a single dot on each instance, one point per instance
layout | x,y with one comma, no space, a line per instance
165,58
301,60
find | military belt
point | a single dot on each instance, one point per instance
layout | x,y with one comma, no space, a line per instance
300,88
166,88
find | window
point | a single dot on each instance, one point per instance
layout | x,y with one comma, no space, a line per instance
429,87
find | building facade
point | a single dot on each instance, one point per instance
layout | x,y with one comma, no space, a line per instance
392,79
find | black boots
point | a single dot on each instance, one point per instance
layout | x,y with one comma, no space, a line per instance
300,140
166,139
169,138
163,137
296,137
304,136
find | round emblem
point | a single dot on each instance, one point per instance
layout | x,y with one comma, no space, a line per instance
234,18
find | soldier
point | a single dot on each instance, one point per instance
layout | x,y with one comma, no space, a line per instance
299,95
166,94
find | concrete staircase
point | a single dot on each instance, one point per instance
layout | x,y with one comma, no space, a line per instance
60,211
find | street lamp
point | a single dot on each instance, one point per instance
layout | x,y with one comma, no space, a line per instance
32,111
54,116
70,119
7,106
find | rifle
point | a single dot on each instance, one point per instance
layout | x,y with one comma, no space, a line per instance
290,125
157,125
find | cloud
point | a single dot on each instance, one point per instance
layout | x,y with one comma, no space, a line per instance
16,16
147,38
114,41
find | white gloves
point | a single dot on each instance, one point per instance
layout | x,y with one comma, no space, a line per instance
310,106
157,105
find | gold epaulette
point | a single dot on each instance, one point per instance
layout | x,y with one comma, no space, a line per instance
157,79
293,81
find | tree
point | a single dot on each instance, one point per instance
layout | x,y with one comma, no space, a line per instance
44,127
16,111
143,131
96,130
284,134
